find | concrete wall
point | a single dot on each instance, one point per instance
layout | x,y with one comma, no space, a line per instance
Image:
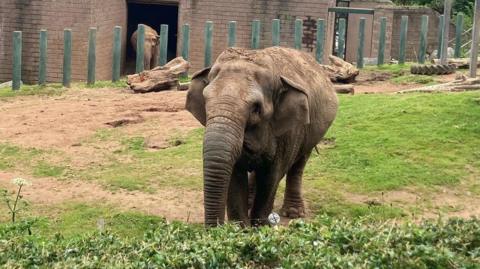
30,16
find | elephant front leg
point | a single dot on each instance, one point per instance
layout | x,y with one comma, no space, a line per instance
266,187
293,205
237,201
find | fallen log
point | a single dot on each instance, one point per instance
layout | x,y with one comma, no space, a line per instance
461,63
453,86
160,78
340,71
344,88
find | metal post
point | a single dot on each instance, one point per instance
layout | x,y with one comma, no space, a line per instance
440,35
423,39
208,43
92,58
403,39
186,42
341,38
361,42
232,34
17,60
298,34
446,27
140,64
275,32
117,53
458,34
42,66
381,41
475,40
320,40
255,42
67,57
162,56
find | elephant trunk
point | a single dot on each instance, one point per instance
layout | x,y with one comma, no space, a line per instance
222,147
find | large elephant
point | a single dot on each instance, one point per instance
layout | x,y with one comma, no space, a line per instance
264,112
152,41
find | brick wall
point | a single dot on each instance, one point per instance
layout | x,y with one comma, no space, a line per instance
196,12
29,16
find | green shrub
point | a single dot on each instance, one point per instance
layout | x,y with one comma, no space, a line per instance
321,243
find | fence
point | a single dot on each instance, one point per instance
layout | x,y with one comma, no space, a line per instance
209,28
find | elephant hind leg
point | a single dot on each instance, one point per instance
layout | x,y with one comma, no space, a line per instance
293,205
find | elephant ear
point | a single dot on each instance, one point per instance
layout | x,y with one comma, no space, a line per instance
292,109
195,103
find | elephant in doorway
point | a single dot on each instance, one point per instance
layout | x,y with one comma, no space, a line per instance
152,41
264,111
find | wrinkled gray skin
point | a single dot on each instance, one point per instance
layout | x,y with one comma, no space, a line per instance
264,112
152,41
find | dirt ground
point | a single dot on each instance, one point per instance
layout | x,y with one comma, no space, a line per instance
65,122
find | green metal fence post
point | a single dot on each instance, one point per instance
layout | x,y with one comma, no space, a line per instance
17,60
381,41
92,57
140,63
232,34
320,40
361,42
208,43
162,55
275,32
441,20
117,53
67,58
403,39
423,39
298,34
42,66
458,34
186,42
255,41
341,38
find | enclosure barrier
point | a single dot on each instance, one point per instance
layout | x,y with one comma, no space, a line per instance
231,42
403,39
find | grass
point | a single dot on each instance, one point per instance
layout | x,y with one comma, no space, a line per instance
394,69
26,90
377,143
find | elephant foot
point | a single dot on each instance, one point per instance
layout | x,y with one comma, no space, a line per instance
293,210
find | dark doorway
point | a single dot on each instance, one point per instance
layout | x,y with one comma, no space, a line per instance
152,15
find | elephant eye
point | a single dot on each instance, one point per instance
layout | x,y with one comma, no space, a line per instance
257,108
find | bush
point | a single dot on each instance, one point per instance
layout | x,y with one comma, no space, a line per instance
321,243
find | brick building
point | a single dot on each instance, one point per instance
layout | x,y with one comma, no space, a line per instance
30,16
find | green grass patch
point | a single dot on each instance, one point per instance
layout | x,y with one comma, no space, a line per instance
122,83
322,243
394,69
44,169
26,90
414,79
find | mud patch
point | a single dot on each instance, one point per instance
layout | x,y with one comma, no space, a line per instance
125,121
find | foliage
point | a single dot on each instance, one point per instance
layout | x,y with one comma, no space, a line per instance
15,202
322,243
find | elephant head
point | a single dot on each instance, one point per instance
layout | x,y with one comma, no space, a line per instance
244,106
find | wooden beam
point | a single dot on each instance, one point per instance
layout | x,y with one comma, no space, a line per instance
351,10
475,40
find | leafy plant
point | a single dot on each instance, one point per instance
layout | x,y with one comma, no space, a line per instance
15,204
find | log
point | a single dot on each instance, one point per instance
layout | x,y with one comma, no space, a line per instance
344,88
462,63
471,84
160,78
340,71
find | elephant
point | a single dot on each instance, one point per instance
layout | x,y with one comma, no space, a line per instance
264,111
152,40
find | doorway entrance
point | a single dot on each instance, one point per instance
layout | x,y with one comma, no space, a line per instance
153,15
